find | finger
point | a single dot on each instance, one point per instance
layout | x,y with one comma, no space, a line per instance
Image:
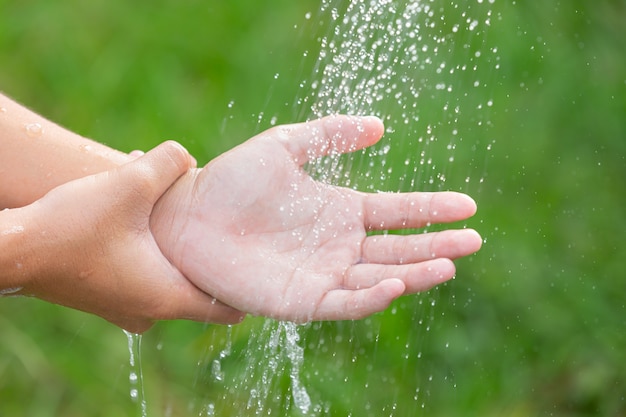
387,211
395,249
329,135
416,277
356,304
154,172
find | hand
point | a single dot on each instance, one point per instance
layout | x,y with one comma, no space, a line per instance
92,249
253,229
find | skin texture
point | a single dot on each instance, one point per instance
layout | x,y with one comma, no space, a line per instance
38,155
135,239
87,245
256,231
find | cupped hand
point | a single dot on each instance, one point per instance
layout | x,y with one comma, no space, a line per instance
254,230
93,250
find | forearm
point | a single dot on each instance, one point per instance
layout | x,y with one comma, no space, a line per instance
37,155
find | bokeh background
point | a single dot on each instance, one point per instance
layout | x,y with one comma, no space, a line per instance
534,324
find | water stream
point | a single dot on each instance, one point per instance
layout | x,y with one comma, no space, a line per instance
424,68
135,376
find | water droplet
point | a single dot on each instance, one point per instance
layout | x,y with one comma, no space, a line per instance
216,370
13,230
33,130
9,291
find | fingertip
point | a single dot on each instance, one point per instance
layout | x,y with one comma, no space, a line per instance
136,153
393,287
444,268
373,127
382,294
333,134
155,171
472,207
461,242
366,130
387,291
465,204
179,154
452,206
437,271
474,240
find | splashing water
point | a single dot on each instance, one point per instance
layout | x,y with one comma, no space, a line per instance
416,65
262,374
423,67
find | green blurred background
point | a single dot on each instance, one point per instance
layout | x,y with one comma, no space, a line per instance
534,324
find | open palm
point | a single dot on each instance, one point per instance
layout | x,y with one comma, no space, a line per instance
255,231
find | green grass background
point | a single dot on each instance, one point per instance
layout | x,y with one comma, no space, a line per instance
535,323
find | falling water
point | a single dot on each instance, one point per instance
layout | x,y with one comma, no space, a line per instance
418,66
424,68
135,376
256,373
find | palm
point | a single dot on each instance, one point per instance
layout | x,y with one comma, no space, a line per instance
264,237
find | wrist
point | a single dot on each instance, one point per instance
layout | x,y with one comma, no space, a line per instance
170,216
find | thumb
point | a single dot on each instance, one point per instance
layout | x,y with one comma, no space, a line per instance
335,134
158,169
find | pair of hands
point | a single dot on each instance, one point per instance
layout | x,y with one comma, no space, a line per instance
251,232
